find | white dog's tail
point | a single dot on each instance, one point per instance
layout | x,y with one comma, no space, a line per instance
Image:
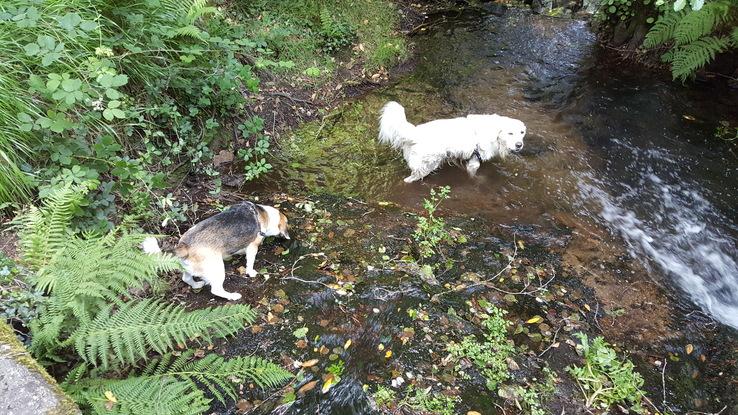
393,126
150,245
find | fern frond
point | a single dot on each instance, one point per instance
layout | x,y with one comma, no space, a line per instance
688,58
216,373
140,395
734,37
696,24
663,30
135,328
44,232
190,31
170,384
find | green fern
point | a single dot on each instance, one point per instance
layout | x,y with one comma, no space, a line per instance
135,396
696,36
696,24
44,232
693,56
128,334
663,30
183,375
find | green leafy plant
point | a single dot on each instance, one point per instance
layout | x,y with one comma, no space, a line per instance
94,317
489,356
335,32
529,398
604,379
19,303
696,35
416,400
431,231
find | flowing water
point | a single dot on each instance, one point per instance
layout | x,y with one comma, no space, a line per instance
607,145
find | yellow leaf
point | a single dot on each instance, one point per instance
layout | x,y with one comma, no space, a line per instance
310,363
689,348
329,382
388,354
347,345
383,203
534,320
380,347
521,244
109,396
587,307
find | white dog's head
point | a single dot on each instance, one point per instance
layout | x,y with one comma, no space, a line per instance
511,133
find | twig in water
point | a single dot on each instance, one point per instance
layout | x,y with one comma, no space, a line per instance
295,267
552,341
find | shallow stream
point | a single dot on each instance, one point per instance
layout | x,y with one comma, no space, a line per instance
621,207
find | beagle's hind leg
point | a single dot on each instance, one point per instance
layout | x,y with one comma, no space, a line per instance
214,274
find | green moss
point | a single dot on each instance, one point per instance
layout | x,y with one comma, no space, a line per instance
22,356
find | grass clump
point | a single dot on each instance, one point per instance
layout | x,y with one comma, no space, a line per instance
489,356
606,380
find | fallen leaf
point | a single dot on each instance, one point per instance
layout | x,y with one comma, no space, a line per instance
521,244
388,354
473,413
534,320
244,406
347,344
329,382
301,344
689,348
587,307
307,387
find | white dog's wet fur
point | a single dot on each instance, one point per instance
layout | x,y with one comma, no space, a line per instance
471,139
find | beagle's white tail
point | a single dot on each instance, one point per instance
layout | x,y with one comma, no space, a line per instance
150,245
393,126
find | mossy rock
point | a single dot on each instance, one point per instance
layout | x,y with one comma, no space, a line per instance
25,387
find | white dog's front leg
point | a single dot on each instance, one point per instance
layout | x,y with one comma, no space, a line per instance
472,166
251,251
411,178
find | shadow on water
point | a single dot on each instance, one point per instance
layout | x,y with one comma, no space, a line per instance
606,148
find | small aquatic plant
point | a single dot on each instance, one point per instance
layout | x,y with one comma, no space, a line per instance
431,230
604,379
489,356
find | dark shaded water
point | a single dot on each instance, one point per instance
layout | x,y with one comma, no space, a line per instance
609,145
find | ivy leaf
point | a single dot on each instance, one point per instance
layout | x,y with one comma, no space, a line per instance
88,25
50,58
26,122
32,49
71,85
69,21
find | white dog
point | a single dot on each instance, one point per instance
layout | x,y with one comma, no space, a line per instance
471,139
